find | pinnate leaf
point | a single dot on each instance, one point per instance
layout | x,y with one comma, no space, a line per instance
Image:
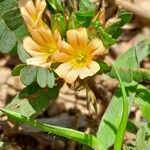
28,75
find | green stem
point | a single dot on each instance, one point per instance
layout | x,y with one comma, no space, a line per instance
124,119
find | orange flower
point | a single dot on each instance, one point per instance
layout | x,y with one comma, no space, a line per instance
32,13
42,46
78,56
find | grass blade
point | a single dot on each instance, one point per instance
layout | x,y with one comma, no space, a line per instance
124,119
81,137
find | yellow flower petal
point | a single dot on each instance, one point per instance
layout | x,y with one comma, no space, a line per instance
43,43
71,76
42,36
85,72
63,69
37,37
36,61
77,38
28,22
32,47
99,52
66,48
96,47
45,33
96,44
81,54
61,57
82,37
32,13
94,67
27,7
57,37
40,5
30,8
22,4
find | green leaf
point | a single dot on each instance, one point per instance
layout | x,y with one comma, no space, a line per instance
72,22
11,15
28,74
13,18
71,134
86,12
132,57
104,67
140,139
23,55
6,5
21,32
59,23
56,5
53,92
128,147
42,75
10,23
87,6
108,127
129,74
131,127
128,63
106,38
45,77
125,17
143,101
2,27
102,34
82,21
51,79
148,144
140,124
32,100
7,38
17,69
116,29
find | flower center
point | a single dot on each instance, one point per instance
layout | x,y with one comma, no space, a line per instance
52,48
80,57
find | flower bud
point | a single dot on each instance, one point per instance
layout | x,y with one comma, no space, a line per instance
91,99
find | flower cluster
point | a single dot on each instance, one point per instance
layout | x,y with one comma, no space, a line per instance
76,56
